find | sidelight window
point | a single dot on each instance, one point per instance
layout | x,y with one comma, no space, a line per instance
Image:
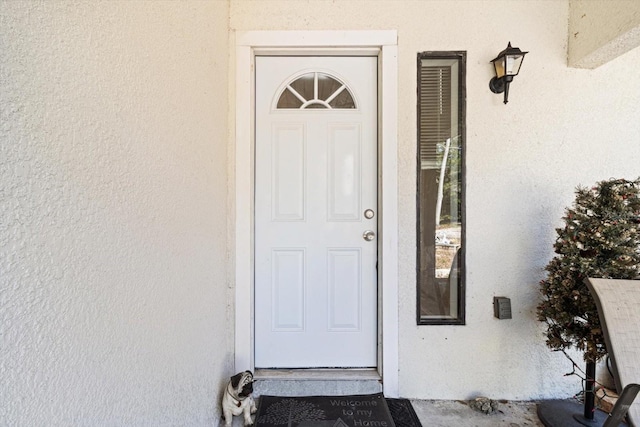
440,195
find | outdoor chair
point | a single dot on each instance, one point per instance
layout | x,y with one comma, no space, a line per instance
618,303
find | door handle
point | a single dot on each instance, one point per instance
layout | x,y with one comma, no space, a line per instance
369,235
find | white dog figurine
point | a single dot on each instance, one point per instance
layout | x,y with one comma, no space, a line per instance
237,398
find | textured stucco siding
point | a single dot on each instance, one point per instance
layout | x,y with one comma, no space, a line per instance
562,127
114,293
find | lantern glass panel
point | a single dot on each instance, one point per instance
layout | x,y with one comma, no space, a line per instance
513,64
499,66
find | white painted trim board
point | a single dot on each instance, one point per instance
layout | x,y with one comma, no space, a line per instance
305,41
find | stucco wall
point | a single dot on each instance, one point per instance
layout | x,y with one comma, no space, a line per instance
114,266
114,293
562,127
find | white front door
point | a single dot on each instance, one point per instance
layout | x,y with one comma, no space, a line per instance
315,201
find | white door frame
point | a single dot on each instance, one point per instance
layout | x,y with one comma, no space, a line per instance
384,44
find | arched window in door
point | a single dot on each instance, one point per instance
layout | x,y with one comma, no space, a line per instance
316,90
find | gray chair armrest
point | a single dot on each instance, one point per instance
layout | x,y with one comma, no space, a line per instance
622,405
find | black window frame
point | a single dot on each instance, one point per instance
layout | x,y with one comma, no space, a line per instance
460,319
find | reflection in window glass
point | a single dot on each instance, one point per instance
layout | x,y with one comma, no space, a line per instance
289,100
304,86
342,100
440,198
327,86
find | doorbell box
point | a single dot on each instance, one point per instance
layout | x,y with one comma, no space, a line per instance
502,307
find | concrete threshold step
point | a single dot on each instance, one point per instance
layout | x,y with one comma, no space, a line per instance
316,382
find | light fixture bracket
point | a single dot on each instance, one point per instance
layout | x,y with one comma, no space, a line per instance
497,85
506,65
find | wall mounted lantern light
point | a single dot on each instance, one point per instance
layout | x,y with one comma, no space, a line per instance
507,65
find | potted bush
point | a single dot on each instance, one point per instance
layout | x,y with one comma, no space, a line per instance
600,238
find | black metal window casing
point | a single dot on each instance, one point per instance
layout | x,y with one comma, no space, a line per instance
426,241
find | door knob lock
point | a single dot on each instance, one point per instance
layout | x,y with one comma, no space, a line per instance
368,235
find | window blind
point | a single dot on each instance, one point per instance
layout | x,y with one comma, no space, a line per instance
435,115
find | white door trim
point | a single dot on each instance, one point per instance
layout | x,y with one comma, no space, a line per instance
321,42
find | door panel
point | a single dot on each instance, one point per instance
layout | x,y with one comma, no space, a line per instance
344,172
316,172
288,164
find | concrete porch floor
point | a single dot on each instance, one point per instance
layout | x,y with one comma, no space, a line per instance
432,413
450,413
